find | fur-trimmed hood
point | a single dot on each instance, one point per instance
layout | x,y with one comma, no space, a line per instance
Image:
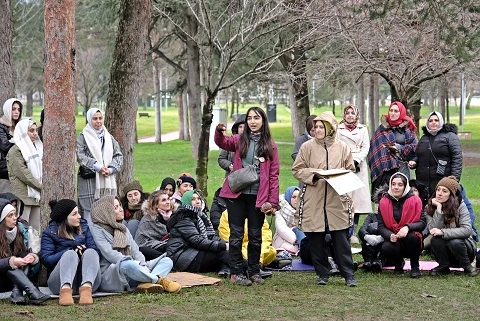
448,127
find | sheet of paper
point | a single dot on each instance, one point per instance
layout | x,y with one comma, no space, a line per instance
343,181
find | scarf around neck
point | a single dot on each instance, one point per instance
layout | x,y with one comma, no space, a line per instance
403,117
350,126
440,123
255,136
11,235
411,212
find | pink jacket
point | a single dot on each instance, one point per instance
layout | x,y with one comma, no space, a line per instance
268,190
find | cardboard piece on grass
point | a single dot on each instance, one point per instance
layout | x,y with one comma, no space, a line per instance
188,280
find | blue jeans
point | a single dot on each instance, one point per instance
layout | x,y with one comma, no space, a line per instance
136,273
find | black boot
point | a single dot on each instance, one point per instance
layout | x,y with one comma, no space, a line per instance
24,284
17,296
415,269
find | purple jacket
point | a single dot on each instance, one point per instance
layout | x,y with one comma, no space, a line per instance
268,190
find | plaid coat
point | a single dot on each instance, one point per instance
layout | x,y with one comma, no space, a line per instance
379,158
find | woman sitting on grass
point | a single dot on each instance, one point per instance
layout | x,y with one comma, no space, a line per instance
193,245
132,200
400,223
123,266
152,235
449,223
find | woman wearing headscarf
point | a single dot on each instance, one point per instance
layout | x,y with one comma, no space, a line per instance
322,210
355,135
168,185
70,254
401,221
122,265
12,113
392,146
284,237
25,168
438,152
100,158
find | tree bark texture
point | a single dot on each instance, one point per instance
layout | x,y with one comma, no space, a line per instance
193,85
128,58
59,85
7,84
371,105
186,125
361,100
29,104
158,100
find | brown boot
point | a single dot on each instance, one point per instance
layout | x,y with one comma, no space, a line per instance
65,296
169,285
149,288
85,295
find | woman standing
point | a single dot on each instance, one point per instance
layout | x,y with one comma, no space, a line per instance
355,135
122,265
449,223
25,170
15,259
254,146
100,158
438,153
400,222
321,208
392,146
12,113
132,200
70,254
152,235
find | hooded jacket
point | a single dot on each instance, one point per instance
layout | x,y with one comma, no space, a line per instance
226,158
443,146
319,202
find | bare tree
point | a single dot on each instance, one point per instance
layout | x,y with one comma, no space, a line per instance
7,84
59,83
129,55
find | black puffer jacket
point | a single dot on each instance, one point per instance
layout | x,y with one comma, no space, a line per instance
185,240
444,146
5,146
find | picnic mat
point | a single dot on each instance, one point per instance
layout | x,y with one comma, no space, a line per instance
424,266
188,280
296,265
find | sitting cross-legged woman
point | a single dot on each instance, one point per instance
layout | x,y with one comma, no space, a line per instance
15,259
400,223
122,265
70,254
450,225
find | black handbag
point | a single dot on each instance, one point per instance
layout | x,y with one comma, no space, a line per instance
86,172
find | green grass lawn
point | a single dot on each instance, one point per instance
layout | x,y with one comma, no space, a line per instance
287,295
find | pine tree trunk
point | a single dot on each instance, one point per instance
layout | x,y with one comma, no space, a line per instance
29,104
59,85
361,100
128,58
7,84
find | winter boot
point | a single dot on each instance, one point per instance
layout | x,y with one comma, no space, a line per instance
470,270
169,285
149,288
17,296
65,297
85,292
415,269
24,284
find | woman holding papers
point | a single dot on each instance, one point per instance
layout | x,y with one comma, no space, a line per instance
321,208
355,135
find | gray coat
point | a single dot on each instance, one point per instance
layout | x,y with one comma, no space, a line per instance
86,187
150,233
113,280
464,224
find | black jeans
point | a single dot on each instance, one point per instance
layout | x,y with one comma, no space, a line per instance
341,251
150,253
207,261
410,246
239,210
451,253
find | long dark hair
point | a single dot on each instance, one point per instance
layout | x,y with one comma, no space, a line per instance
265,144
66,231
18,243
449,208
15,122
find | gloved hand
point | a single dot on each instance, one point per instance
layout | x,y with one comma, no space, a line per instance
220,128
373,240
357,167
392,149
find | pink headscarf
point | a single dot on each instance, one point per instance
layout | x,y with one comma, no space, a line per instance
403,116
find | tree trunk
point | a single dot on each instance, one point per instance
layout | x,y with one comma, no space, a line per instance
158,97
376,96
193,84
29,104
59,85
361,100
122,101
232,109
186,125
371,105
7,84
443,96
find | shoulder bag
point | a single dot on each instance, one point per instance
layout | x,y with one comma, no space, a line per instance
243,177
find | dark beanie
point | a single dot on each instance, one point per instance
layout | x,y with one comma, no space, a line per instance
135,185
187,179
61,209
166,181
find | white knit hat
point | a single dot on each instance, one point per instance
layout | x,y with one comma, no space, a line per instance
7,209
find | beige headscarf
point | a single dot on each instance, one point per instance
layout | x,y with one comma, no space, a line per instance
103,214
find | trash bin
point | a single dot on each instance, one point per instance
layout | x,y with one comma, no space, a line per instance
272,113
219,116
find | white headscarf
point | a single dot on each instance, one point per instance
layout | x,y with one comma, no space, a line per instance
32,152
440,123
7,112
103,154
